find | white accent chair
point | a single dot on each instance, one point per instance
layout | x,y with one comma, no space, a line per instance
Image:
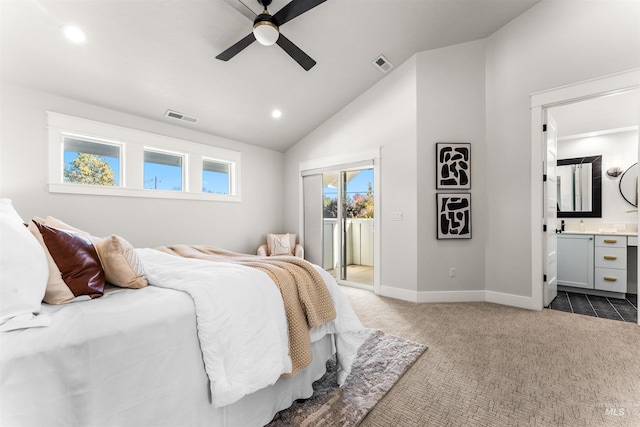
281,244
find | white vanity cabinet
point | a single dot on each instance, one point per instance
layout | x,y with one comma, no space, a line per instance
611,263
591,261
575,260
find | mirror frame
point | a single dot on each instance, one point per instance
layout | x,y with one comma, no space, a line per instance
596,187
620,184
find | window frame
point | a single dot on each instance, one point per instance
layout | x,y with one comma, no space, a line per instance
183,166
133,143
232,173
103,141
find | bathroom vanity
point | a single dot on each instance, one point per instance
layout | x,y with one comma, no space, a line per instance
594,262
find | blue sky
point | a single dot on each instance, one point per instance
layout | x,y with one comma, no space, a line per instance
162,177
359,184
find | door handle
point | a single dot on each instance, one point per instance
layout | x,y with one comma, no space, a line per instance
611,257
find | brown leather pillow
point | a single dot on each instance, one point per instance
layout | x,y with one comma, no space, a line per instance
77,259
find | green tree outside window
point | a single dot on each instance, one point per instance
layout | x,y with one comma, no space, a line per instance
89,169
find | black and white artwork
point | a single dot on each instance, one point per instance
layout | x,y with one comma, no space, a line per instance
454,215
453,165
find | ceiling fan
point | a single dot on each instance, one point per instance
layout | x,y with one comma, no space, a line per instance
266,29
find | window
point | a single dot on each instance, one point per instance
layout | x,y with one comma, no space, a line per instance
91,162
89,157
215,177
163,171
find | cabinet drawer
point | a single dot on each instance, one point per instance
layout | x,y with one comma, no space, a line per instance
611,279
611,257
612,241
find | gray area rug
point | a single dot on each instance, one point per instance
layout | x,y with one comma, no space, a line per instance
381,361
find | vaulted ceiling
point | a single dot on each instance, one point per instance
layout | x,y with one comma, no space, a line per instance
147,56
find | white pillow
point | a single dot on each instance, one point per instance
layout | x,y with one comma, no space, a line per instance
281,244
23,273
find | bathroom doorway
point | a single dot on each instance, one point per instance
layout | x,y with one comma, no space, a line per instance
582,112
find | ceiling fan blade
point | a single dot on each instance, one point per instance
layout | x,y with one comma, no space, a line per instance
242,8
296,53
236,48
293,9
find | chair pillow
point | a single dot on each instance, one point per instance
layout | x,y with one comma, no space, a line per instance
280,244
74,266
24,273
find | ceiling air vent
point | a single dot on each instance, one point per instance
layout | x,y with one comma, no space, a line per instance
180,116
382,63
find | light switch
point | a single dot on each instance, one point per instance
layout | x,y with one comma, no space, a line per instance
396,216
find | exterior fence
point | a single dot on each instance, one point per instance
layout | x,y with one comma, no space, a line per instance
359,242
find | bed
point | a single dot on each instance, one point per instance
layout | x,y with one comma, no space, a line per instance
153,356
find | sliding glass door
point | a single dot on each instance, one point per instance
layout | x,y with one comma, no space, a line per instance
348,224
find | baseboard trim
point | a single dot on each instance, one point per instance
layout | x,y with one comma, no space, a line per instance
451,296
401,294
460,296
596,292
511,300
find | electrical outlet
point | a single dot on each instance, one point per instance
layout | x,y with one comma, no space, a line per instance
396,216
452,272
619,226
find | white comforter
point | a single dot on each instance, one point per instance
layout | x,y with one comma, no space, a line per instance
241,322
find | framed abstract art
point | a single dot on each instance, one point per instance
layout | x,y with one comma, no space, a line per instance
454,215
453,166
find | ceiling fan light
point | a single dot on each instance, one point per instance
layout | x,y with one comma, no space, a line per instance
266,32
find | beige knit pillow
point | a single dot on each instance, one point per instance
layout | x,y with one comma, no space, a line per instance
120,262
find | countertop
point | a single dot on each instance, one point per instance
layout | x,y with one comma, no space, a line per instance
602,233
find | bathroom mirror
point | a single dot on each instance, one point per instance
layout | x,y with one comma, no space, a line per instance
580,187
629,185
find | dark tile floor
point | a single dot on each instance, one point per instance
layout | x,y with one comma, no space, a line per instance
609,308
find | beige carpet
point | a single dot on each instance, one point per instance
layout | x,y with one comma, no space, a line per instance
492,365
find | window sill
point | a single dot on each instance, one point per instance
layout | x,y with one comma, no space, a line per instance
131,192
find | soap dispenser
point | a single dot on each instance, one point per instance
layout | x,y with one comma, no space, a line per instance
581,225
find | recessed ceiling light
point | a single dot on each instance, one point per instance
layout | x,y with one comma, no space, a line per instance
276,114
74,34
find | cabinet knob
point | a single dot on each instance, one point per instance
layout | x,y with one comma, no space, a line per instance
611,257
610,279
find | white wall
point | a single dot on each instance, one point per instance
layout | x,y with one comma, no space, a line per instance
451,102
555,43
144,222
417,105
617,149
384,116
476,92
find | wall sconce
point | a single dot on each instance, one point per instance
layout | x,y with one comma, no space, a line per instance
614,171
